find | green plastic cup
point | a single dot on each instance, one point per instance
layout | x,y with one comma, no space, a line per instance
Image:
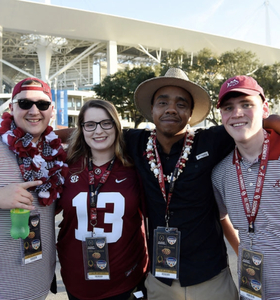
19,218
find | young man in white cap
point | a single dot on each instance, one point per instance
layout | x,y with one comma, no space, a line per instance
175,163
31,177
247,188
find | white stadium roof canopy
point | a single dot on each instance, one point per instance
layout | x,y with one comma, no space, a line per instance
89,35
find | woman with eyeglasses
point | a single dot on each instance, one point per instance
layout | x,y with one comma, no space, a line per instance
101,243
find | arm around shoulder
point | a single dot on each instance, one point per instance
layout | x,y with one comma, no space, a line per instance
64,134
272,122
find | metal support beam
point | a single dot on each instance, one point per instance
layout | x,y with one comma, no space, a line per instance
112,57
83,55
16,68
159,54
44,53
267,24
150,55
4,106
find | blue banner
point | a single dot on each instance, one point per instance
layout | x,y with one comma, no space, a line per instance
60,99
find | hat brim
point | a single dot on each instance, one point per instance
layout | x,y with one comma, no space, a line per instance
145,91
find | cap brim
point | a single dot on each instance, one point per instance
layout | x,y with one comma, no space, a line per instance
146,90
239,90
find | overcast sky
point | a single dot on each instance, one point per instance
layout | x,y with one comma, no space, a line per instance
256,21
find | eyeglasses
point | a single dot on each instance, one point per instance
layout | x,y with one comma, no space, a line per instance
27,104
104,124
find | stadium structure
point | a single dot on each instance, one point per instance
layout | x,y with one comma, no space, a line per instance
74,49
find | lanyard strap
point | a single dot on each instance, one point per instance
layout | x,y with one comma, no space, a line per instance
251,213
161,181
93,193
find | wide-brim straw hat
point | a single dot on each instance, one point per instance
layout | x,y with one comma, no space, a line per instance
174,77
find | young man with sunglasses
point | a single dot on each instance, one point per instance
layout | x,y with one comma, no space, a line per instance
31,177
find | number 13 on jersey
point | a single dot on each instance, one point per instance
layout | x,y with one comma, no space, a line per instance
115,218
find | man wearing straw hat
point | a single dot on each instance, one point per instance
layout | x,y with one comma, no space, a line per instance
186,245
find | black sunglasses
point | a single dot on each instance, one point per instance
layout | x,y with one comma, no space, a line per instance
27,104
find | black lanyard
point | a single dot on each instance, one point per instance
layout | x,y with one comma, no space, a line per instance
93,193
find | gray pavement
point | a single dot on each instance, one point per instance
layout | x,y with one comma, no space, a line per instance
62,295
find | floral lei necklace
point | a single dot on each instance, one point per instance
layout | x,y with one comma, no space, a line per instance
156,165
44,161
